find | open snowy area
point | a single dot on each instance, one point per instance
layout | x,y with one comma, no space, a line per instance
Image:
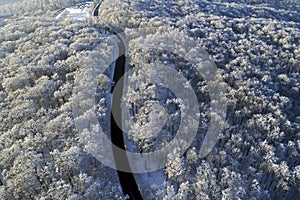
13,7
240,58
3,2
77,12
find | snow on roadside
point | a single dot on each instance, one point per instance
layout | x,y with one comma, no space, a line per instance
149,182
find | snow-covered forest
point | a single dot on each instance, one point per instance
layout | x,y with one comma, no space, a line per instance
13,7
41,157
255,45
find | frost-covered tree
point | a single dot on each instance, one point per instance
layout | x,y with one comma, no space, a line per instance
257,58
41,156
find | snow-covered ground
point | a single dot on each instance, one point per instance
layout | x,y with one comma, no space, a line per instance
8,1
19,7
76,12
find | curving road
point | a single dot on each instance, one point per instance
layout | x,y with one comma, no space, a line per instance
127,180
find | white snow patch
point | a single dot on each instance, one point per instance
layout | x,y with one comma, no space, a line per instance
76,12
149,182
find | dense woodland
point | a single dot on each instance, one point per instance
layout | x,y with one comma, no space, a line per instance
255,45
41,157
256,48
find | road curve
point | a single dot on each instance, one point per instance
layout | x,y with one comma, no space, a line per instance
127,180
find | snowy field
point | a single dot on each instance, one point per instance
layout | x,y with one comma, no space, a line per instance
48,62
77,12
15,7
8,1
